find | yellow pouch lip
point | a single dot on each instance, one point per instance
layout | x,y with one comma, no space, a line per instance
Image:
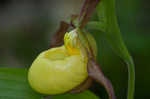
59,53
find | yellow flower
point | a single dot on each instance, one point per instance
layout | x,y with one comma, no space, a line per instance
60,69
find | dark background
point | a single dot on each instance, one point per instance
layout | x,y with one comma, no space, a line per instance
26,27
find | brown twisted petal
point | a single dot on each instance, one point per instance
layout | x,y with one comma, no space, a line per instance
58,38
95,72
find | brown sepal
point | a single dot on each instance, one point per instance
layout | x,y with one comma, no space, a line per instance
83,86
87,10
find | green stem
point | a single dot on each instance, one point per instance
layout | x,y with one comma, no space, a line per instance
131,81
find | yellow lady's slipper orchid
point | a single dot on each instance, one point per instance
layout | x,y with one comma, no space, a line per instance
60,69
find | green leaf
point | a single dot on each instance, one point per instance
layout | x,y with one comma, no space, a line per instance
94,25
106,11
14,84
84,95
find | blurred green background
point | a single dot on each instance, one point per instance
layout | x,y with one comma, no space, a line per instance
26,27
